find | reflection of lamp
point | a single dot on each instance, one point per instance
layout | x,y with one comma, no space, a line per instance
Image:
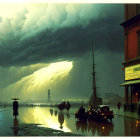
136,93
137,122
103,127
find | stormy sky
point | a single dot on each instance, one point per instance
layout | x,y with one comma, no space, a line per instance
48,46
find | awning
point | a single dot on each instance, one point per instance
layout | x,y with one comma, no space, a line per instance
130,82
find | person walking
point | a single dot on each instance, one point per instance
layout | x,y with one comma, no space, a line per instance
118,105
15,108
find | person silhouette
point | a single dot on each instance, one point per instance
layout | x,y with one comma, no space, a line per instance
61,106
15,108
119,105
81,114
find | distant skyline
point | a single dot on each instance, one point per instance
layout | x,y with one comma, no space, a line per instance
48,46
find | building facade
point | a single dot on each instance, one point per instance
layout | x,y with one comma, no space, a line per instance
132,56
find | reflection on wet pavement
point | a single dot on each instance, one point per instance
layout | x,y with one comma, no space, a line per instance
45,117
55,112
15,128
65,121
51,112
103,129
61,119
132,127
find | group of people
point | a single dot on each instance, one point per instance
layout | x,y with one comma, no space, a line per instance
64,105
81,114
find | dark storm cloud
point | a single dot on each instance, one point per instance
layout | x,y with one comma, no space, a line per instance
65,43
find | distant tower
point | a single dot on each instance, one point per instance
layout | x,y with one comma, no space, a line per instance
49,98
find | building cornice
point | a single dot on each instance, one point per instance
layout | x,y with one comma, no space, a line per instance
131,21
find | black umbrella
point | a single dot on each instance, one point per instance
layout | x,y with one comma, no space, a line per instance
15,99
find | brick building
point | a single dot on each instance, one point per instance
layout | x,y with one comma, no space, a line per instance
132,56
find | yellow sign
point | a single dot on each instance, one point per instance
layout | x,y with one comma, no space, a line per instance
132,72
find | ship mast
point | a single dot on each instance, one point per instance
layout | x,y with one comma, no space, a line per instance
93,98
94,80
